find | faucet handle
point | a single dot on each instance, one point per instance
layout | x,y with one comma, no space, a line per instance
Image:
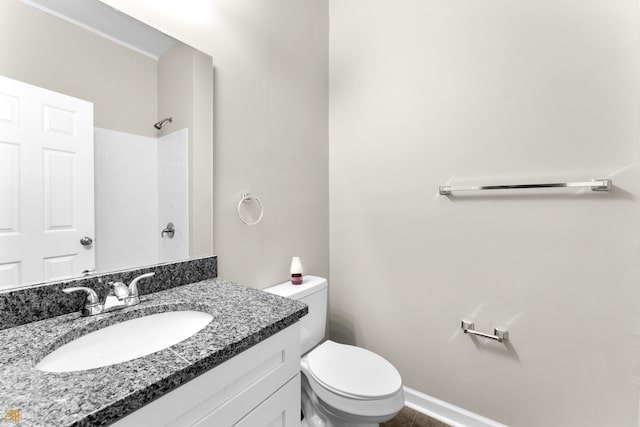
92,297
119,289
92,303
133,286
133,289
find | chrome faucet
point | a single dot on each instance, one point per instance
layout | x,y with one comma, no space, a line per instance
119,296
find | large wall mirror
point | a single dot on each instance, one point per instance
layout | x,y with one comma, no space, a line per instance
106,129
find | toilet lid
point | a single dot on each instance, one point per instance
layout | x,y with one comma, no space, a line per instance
353,371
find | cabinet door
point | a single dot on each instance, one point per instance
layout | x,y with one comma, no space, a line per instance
227,393
281,409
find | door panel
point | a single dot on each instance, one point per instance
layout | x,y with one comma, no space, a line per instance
59,186
46,193
60,266
9,274
9,187
9,110
58,120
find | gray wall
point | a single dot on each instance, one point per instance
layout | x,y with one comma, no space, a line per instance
425,93
45,51
185,93
270,129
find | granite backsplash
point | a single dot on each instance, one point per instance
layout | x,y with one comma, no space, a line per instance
42,301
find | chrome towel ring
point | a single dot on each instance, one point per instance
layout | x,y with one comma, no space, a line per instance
248,198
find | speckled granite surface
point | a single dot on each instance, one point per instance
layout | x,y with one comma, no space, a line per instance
30,304
97,397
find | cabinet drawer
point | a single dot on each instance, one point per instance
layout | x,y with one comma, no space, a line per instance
229,391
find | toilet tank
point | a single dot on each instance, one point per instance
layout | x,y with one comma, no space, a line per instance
313,292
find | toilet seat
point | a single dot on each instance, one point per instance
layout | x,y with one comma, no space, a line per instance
330,362
353,372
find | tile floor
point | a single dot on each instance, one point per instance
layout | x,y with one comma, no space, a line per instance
410,418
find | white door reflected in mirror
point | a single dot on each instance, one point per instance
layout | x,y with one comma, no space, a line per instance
46,184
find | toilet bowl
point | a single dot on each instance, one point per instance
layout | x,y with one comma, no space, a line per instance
342,385
349,386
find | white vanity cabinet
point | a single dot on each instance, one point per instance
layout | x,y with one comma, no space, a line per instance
258,387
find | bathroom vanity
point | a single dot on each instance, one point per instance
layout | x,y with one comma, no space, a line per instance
241,369
260,386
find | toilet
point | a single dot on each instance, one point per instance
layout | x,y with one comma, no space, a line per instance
342,385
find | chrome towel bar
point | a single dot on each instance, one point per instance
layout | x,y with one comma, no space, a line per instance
595,185
499,334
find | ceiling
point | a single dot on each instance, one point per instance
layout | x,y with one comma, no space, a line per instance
108,22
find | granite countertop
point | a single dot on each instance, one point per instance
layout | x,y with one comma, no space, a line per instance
96,397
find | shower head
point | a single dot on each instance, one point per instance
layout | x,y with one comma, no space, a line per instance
162,122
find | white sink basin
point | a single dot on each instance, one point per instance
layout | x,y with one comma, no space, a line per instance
125,341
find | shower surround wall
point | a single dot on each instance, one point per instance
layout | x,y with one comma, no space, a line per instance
173,195
140,186
425,93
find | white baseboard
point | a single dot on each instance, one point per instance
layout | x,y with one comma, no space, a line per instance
445,412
